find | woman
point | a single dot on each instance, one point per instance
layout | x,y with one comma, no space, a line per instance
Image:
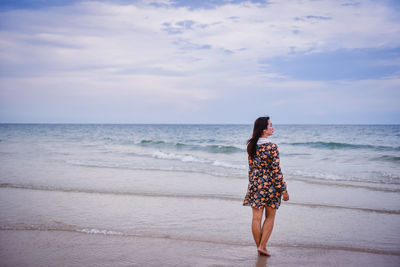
266,184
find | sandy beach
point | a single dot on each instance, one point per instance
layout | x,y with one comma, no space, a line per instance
100,227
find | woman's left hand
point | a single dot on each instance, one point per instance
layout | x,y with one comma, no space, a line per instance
285,196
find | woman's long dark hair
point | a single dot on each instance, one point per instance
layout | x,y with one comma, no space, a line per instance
259,126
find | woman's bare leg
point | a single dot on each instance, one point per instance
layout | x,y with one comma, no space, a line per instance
256,225
267,229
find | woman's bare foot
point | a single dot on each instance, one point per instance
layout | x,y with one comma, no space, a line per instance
263,252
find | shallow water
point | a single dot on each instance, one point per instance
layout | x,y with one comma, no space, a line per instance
366,154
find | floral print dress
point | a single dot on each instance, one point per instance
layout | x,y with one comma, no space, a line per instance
266,182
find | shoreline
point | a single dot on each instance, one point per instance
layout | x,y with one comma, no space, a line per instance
38,248
227,198
103,232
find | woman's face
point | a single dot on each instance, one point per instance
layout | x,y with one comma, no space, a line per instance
270,130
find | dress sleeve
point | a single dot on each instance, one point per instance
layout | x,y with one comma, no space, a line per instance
250,167
280,183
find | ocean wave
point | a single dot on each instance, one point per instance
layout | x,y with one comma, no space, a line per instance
161,155
294,154
228,165
218,168
186,196
338,145
374,186
180,157
375,181
191,158
151,142
101,164
388,158
225,149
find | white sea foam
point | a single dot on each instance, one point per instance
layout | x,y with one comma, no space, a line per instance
228,165
97,231
181,157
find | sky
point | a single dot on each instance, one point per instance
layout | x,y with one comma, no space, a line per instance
200,61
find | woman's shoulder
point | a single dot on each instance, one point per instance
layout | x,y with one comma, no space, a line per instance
268,146
273,145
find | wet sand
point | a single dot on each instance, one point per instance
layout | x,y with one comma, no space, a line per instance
61,248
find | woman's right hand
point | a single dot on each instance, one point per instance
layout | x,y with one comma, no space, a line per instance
285,196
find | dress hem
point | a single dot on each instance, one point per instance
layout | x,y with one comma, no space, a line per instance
261,206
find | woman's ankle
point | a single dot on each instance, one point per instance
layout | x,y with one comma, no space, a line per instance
262,246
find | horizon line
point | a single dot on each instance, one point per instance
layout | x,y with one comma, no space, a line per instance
180,123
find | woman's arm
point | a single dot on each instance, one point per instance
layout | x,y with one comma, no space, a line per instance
250,167
280,183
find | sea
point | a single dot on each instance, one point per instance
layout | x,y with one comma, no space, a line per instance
187,182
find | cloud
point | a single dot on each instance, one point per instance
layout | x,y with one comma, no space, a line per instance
311,17
169,57
356,4
354,64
